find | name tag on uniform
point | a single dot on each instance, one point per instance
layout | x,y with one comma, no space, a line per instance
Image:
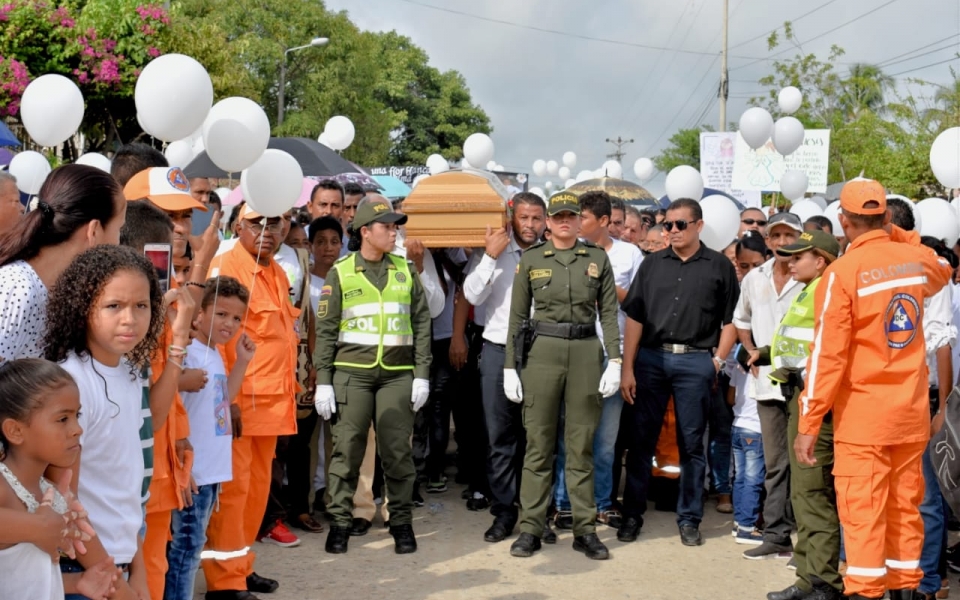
540,273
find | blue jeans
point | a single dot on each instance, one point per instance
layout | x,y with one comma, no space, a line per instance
719,446
604,441
750,472
189,532
933,512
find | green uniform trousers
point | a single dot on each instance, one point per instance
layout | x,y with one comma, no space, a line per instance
814,498
560,373
383,397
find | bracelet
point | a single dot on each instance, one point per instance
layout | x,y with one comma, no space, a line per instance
176,351
182,368
490,255
202,286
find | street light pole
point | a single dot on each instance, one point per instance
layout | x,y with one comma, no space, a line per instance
281,93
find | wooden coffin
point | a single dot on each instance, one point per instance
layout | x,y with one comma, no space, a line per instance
453,209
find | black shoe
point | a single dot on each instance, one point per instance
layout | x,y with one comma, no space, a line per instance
337,540
823,591
404,541
418,499
319,506
230,595
525,545
563,519
791,593
478,504
629,529
909,595
498,531
360,527
255,583
591,545
690,535
549,535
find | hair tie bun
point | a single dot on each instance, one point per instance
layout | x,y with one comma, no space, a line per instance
46,211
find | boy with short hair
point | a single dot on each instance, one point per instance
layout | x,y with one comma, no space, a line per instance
214,423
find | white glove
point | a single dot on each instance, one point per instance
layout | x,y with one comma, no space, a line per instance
610,382
420,393
325,401
511,385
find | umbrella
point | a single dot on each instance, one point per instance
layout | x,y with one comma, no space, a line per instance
236,196
392,187
314,158
362,179
627,191
665,202
944,452
6,136
5,157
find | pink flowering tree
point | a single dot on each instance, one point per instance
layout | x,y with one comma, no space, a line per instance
101,44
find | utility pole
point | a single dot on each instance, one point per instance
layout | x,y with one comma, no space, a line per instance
724,91
618,154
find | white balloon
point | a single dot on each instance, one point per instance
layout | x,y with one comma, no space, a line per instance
584,175
492,165
51,109
832,212
31,170
538,192
793,184
499,168
805,209
643,169
721,222
945,158
437,164
956,204
569,160
568,183
478,149
173,96
563,172
552,167
273,183
222,193
819,201
756,126
685,182
465,164
323,139
612,168
340,131
599,173
236,133
548,186
539,167
789,100
198,146
939,220
95,159
787,135
179,153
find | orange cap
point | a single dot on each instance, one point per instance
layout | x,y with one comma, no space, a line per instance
167,188
858,192
248,214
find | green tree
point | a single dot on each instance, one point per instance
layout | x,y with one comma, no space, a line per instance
865,88
683,149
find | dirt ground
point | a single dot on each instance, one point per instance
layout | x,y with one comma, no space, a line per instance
454,562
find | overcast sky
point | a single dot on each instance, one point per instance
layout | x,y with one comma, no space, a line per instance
547,93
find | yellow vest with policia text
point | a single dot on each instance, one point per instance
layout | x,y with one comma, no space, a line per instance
791,341
375,326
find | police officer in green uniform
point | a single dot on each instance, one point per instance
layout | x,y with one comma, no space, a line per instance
566,282
812,492
373,363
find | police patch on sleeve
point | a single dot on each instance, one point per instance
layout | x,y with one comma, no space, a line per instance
902,318
322,308
326,290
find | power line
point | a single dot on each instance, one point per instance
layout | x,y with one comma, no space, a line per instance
950,46
682,108
767,34
942,62
887,60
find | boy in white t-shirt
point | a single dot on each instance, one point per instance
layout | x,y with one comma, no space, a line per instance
214,423
747,449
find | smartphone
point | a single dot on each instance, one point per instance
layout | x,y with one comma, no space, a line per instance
742,357
200,220
161,255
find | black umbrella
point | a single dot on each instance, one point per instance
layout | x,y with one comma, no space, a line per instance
315,159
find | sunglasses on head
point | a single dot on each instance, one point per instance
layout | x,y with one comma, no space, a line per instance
680,224
759,222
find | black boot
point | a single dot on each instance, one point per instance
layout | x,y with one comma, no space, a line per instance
255,583
525,545
906,595
549,535
791,593
404,542
337,540
591,545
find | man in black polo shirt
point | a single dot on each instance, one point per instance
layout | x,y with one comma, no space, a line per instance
680,313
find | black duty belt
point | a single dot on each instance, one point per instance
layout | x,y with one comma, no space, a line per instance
682,349
567,331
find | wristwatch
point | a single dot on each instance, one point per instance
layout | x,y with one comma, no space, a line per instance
619,361
720,362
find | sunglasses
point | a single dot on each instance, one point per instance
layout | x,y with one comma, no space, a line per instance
759,222
679,224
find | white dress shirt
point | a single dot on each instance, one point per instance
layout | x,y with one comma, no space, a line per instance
760,309
489,283
938,328
429,278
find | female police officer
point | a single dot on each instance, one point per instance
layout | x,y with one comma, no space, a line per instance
373,361
567,282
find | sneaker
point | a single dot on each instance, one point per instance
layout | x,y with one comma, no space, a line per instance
436,487
736,528
610,518
563,519
749,535
280,536
769,550
792,563
944,590
418,501
478,502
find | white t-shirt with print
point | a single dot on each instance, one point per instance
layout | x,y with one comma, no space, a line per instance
23,312
111,460
625,260
211,432
745,413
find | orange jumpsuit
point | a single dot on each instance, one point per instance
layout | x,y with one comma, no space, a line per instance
267,407
868,366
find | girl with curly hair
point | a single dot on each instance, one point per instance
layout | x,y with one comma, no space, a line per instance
104,321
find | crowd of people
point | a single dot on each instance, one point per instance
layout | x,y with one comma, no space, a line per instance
303,371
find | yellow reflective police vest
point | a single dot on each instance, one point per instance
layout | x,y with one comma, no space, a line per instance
792,339
375,326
